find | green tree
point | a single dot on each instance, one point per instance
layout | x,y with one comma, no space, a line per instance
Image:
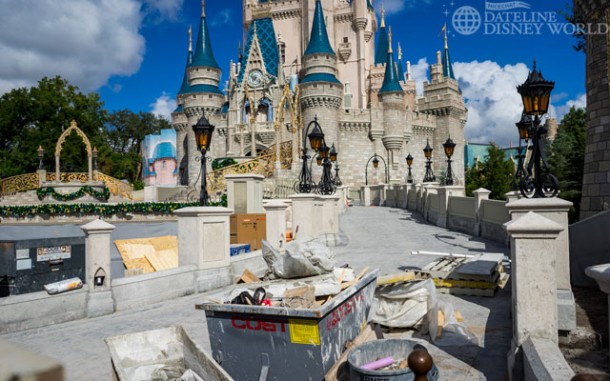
125,133
37,116
495,174
567,157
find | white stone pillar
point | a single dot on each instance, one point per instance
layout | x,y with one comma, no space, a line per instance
330,215
366,190
427,190
203,241
555,209
245,193
444,192
304,217
342,191
42,176
419,204
99,278
479,195
276,223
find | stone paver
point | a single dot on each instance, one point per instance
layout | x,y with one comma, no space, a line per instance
376,237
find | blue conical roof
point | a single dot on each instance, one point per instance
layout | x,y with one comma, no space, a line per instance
184,88
400,71
447,67
204,56
318,41
390,79
381,50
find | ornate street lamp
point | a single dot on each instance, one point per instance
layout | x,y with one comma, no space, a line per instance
429,176
449,147
523,126
375,159
203,137
536,95
409,159
333,158
40,152
326,185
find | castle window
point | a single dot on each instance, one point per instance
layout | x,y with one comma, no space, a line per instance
345,40
163,164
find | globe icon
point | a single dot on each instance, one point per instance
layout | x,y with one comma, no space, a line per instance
466,20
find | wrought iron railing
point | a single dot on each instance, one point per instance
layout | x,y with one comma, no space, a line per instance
263,164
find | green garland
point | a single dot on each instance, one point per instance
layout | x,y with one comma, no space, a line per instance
105,210
101,196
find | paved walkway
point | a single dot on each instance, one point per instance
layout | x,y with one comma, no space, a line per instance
376,237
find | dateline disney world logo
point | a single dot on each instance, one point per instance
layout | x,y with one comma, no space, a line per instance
517,17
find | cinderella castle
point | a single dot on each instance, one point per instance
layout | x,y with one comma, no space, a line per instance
327,59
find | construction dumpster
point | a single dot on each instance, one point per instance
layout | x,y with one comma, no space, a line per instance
276,343
167,352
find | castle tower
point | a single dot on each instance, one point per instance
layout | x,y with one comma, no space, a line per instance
321,91
596,174
203,96
400,71
392,95
443,99
179,118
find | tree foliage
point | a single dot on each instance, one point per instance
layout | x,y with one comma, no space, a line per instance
37,116
495,173
567,157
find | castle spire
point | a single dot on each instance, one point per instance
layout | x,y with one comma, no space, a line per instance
390,78
401,71
318,42
447,66
204,55
381,49
185,87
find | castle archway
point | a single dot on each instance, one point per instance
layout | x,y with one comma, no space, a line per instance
59,145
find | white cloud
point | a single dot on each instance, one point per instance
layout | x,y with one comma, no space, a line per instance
85,41
558,112
494,106
419,73
163,106
393,7
167,9
221,18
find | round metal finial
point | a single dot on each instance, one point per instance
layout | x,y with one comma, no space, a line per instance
420,363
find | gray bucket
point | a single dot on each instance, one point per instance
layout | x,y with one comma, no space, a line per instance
374,350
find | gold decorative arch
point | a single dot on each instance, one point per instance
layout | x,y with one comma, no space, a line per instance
295,120
59,145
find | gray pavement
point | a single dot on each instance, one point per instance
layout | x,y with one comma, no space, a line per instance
376,237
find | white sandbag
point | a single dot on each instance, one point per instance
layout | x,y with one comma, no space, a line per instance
63,286
303,259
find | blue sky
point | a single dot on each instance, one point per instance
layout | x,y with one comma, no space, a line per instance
133,52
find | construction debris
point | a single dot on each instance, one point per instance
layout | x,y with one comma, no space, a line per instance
149,254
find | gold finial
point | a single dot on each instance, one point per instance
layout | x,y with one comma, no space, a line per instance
390,39
202,8
190,38
73,123
382,16
399,52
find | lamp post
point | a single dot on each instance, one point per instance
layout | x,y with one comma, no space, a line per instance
94,154
316,140
536,94
333,158
203,137
409,159
429,175
375,158
449,147
523,126
40,152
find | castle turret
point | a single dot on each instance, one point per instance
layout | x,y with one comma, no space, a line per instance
400,71
204,96
179,118
392,99
447,66
321,91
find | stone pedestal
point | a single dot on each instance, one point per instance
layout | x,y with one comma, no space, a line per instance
555,209
330,215
479,195
276,223
203,241
245,193
534,290
99,278
303,215
366,190
427,188
512,196
443,201
601,274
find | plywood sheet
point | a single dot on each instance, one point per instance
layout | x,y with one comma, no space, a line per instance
149,254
